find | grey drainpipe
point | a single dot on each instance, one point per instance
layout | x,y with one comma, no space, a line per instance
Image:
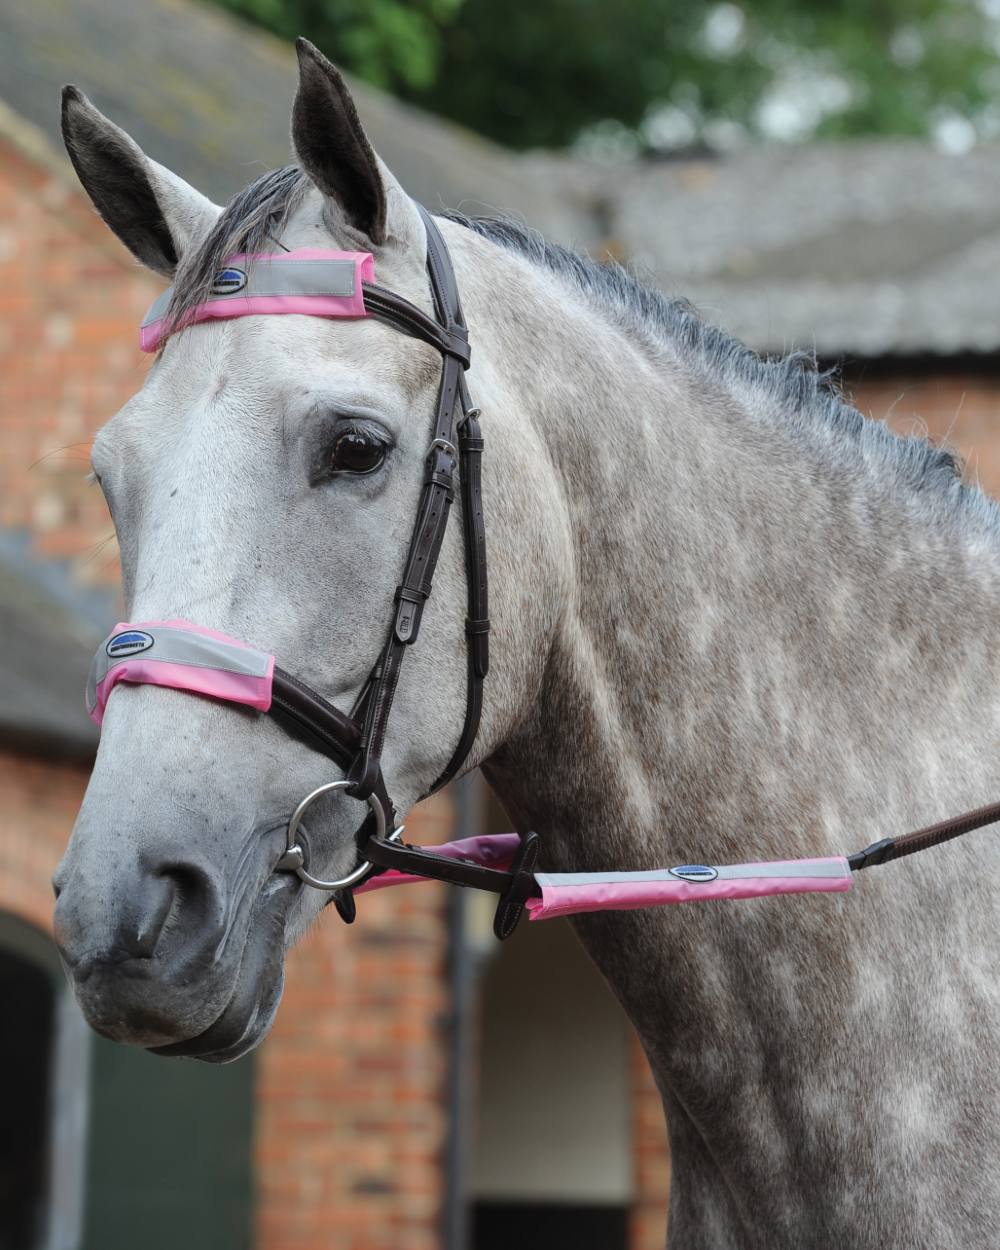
463,969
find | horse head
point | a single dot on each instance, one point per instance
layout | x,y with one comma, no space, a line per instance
263,483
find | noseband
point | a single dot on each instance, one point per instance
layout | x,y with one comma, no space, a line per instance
189,657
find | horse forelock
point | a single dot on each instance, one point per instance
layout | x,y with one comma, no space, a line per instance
250,222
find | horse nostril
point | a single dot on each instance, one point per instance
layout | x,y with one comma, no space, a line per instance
172,890
154,909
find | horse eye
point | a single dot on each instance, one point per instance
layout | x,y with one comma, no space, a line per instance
356,452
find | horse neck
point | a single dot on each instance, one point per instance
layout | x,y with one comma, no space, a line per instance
760,608
770,642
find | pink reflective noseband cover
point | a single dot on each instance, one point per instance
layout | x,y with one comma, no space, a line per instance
314,281
181,655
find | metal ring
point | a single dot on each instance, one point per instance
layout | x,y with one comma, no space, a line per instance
293,859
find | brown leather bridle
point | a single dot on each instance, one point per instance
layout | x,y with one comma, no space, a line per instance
355,741
191,657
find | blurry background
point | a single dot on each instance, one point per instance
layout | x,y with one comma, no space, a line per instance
813,174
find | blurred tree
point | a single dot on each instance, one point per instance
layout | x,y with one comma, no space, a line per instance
665,74
395,44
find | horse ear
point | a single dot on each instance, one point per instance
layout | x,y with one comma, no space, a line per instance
333,148
154,213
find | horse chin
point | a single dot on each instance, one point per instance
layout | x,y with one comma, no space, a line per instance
247,1017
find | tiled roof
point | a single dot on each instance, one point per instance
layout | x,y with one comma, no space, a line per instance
210,97
867,249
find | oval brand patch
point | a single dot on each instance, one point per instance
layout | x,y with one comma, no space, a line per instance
694,872
131,642
229,281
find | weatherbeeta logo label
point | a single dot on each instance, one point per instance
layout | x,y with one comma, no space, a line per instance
694,872
229,281
132,642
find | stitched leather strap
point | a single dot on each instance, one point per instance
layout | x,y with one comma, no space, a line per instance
450,336
421,863
923,839
402,315
477,621
296,706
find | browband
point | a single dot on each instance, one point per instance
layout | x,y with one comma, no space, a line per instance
318,282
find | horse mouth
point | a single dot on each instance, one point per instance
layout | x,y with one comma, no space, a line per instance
248,1015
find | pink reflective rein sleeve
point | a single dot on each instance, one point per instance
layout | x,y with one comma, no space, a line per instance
573,893
569,893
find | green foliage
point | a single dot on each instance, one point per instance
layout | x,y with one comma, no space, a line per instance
395,44
668,73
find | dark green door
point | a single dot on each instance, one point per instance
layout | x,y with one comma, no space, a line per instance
163,1147
169,1163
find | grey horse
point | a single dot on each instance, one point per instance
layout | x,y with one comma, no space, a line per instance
733,620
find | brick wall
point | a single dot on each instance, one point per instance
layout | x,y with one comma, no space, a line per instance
70,302
650,1158
38,803
350,1117
959,405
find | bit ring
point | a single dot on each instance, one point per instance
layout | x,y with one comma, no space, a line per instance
294,859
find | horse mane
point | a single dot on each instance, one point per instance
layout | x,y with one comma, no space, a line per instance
793,383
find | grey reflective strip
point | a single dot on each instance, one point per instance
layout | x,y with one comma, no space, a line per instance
277,277
178,646
728,872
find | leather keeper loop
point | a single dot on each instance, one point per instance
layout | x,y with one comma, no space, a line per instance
408,614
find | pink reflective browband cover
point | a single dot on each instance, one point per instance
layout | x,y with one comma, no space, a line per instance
317,282
181,655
